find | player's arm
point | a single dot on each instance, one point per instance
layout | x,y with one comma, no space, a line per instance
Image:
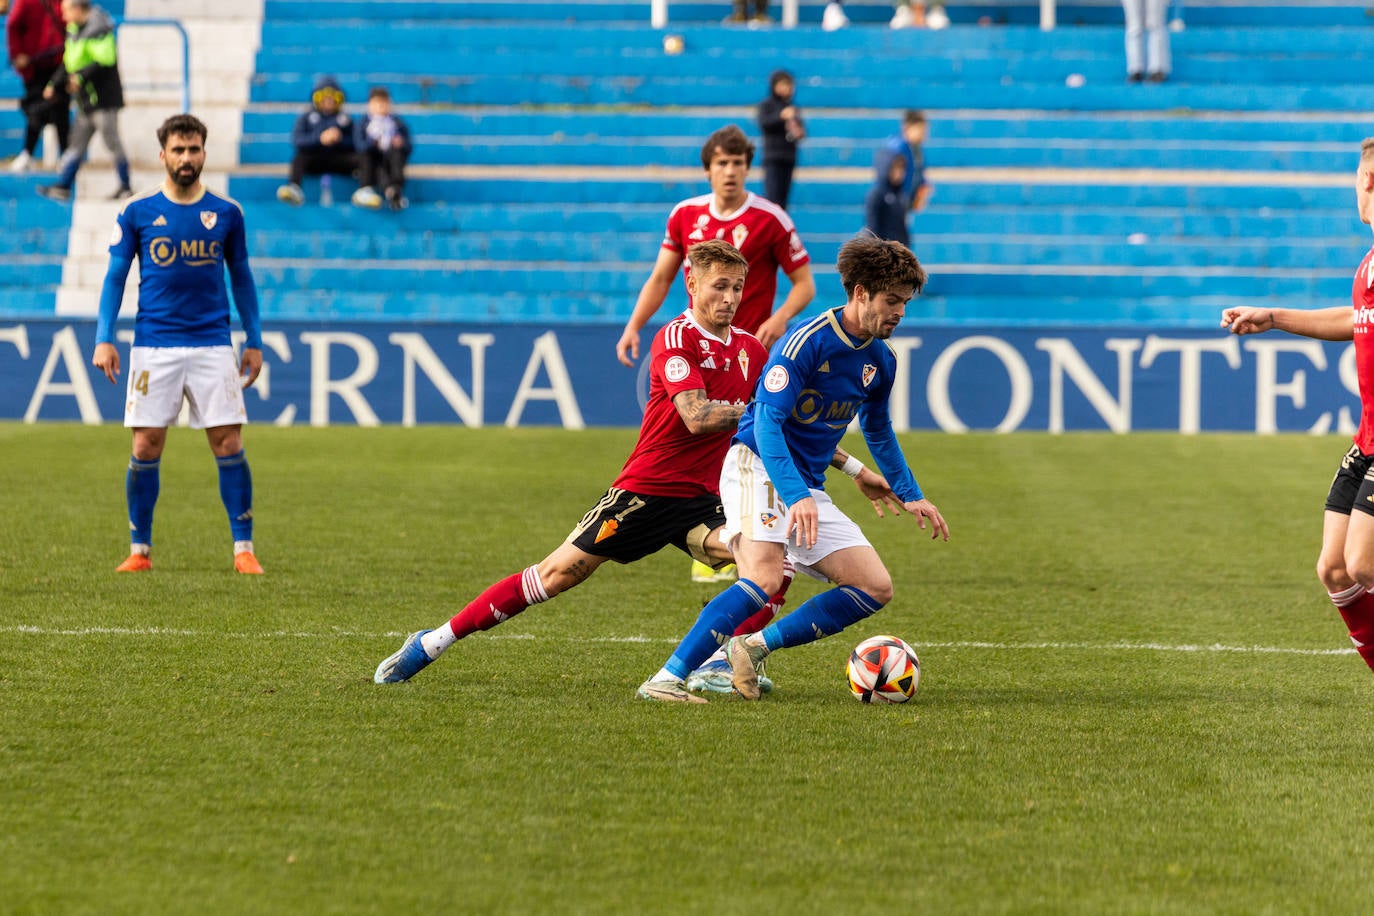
651,297
1335,323
123,250
246,302
798,298
871,484
921,197
876,425
700,414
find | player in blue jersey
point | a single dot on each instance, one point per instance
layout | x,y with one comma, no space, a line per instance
185,237
821,376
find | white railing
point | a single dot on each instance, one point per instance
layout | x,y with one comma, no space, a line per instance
658,14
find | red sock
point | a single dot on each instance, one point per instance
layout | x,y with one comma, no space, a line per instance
764,616
1357,609
504,599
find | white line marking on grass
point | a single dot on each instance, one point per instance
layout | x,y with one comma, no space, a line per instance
995,646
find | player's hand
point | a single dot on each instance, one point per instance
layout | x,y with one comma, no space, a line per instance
250,366
20,61
925,509
627,349
771,330
106,359
875,489
1247,320
804,519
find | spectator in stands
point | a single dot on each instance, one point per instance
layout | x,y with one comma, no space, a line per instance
885,207
1147,40
385,142
906,146
906,14
325,139
90,73
741,11
781,124
35,33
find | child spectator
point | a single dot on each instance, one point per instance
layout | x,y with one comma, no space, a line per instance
385,148
885,207
325,140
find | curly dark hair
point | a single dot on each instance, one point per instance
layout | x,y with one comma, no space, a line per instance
184,124
878,265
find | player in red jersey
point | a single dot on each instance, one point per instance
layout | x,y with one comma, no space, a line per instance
703,373
760,229
1346,563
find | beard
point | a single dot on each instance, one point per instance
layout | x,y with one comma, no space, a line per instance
184,177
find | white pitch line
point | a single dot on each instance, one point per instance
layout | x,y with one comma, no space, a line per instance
994,646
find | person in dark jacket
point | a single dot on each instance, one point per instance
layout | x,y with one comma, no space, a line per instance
782,127
325,139
385,148
885,206
90,73
35,33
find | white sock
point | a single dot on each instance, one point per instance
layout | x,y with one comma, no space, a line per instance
436,641
243,547
664,675
142,550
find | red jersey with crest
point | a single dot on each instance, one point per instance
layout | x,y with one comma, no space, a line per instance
1362,300
668,459
763,233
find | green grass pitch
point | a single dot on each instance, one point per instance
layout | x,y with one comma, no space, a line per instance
1136,698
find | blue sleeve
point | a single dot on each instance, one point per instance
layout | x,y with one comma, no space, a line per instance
404,131
123,250
777,457
876,425
111,296
245,290
302,135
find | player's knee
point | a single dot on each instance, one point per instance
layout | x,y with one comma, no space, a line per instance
877,587
1360,570
1333,574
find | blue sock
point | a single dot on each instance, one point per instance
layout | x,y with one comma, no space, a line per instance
66,176
823,615
715,624
141,485
236,490
122,170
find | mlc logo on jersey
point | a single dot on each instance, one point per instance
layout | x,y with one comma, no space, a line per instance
193,253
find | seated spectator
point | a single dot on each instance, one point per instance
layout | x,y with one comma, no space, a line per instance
741,13
325,140
906,14
385,147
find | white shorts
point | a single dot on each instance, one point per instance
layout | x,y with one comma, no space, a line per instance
206,378
753,506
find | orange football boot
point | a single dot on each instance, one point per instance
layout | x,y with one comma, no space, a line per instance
137,562
247,563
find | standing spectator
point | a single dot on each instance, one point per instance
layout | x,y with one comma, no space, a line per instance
35,34
781,124
1147,40
885,208
772,485
908,14
90,72
181,351
325,141
760,229
741,11
385,141
906,145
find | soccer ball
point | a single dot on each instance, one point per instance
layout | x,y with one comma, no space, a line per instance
883,669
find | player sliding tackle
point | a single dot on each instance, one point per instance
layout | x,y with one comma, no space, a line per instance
703,371
823,374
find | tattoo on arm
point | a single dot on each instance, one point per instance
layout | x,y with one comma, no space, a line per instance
703,415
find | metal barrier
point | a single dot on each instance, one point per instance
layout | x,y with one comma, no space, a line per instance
185,57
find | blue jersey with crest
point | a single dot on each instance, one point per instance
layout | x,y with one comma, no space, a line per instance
817,380
183,251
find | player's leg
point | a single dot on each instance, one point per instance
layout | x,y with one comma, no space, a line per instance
753,527
214,393
83,129
862,586
1347,553
152,401
622,526
107,124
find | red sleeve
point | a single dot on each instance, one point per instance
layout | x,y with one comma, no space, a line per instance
676,365
789,251
672,236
